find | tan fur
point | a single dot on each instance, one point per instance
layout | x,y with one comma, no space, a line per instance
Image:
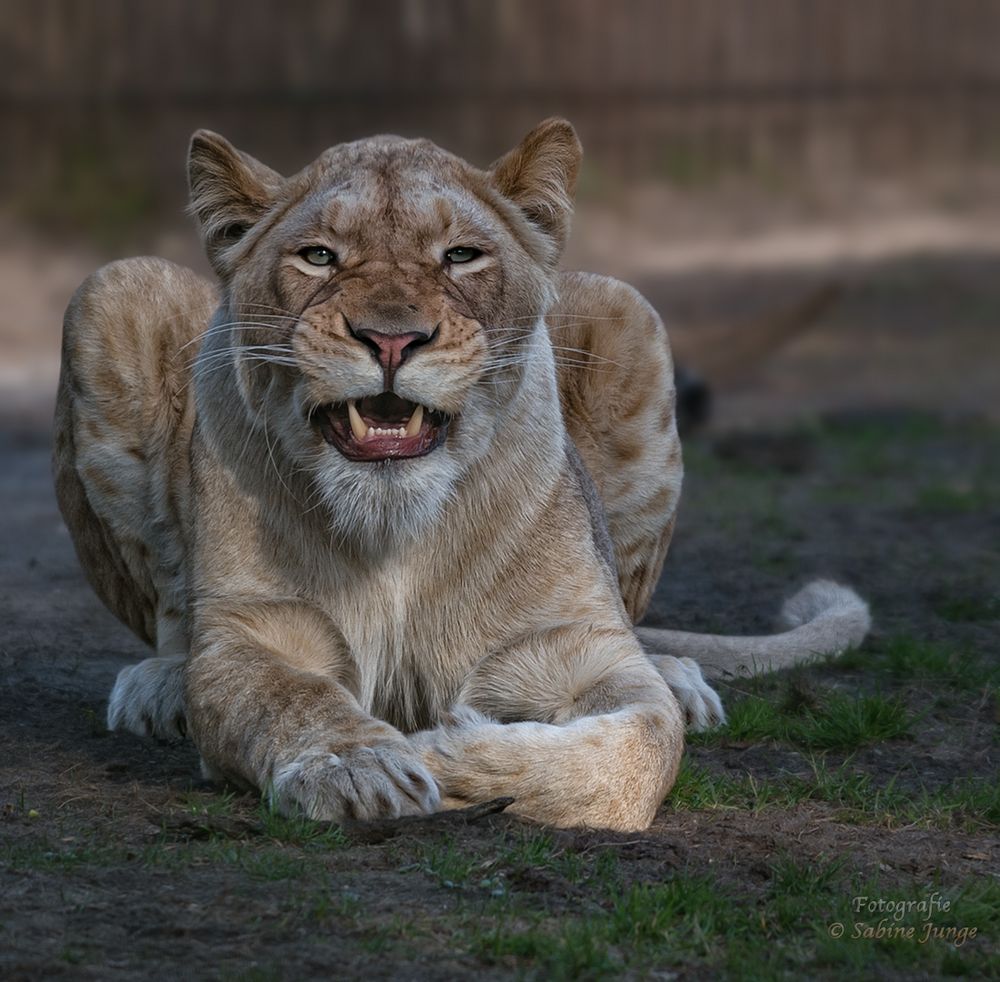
362,639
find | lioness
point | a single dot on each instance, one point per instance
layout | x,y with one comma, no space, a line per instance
389,516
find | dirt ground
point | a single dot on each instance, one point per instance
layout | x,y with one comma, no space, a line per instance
862,451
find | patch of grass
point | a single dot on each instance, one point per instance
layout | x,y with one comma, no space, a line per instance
751,718
41,854
699,789
254,973
891,429
661,922
853,659
687,912
260,861
536,849
271,864
697,922
298,830
323,905
965,804
530,847
845,722
968,803
573,952
964,609
976,905
907,659
450,865
813,720
945,499
792,877
694,921
851,790
393,935
202,803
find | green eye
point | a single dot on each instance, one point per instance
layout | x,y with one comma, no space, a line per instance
462,254
318,256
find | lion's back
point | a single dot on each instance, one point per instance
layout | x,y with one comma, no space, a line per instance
616,389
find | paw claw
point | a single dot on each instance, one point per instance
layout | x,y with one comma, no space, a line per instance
700,703
365,783
148,699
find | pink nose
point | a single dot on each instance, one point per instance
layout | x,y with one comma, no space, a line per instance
391,350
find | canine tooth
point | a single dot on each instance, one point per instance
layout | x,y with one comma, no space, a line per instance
357,423
416,421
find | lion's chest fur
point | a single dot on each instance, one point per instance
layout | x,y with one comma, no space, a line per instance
408,666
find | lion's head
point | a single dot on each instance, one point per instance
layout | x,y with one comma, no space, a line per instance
381,306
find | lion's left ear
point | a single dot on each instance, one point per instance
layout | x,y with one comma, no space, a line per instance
539,175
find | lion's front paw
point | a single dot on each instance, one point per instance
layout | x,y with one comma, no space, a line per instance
700,702
458,753
381,781
148,699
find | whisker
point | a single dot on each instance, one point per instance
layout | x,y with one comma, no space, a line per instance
563,314
250,433
218,328
588,355
269,306
280,358
280,349
274,464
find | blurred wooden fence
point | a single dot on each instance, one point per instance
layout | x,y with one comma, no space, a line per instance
674,88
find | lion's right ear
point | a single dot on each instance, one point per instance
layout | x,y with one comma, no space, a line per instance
230,192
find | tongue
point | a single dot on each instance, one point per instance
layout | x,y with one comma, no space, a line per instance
385,408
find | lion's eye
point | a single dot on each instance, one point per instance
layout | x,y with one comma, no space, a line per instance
318,256
462,254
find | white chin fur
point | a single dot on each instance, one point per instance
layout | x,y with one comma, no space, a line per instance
377,505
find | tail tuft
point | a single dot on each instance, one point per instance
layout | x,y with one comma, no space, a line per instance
824,598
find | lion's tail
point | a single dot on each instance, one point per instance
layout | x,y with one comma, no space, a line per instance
822,619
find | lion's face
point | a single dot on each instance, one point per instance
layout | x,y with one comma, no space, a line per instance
381,307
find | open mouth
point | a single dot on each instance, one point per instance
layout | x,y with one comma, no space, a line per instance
382,427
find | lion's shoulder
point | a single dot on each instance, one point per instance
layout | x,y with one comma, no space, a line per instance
594,297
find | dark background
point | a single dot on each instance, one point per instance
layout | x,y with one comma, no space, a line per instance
739,155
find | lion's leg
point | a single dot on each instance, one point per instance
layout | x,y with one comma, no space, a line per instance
616,387
122,418
603,749
269,705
